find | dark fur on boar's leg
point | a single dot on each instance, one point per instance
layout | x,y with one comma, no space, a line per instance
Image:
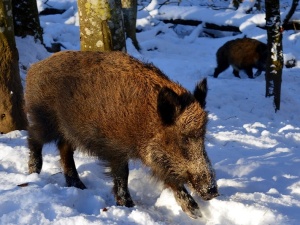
242,54
116,108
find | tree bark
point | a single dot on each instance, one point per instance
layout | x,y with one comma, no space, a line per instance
275,57
129,8
12,116
101,25
26,19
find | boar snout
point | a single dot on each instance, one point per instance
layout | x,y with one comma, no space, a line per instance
211,193
205,185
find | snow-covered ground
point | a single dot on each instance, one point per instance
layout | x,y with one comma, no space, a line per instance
255,151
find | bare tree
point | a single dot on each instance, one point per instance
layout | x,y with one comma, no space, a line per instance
290,13
258,5
129,8
12,116
236,3
26,19
101,25
275,57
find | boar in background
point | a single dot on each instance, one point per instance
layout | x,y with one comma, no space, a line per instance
242,54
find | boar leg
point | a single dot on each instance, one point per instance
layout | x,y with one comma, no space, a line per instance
120,172
236,73
68,164
249,72
186,201
35,162
220,68
258,73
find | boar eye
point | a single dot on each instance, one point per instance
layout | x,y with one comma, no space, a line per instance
186,140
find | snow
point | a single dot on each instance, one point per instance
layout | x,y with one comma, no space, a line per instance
254,151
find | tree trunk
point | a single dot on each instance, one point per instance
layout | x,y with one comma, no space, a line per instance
290,13
26,19
236,3
275,57
12,116
258,5
129,8
101,25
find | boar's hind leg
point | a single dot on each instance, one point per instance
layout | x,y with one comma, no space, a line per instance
68,164
120,173
186,201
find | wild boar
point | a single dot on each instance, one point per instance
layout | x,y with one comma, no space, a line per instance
116,108
242,54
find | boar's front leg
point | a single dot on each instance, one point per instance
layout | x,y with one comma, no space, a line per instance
35,162
236,73
120,172
258,73
249,72
68,164
186,201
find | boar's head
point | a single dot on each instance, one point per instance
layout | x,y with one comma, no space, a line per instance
182,158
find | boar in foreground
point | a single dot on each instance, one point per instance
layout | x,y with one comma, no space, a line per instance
116,108
242,54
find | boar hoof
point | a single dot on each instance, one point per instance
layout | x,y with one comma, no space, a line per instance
34,169
125,202
35,164
75,183
192,209
80,185
194,213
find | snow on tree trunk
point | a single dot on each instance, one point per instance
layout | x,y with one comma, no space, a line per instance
101,25
275,58
26,19
12,116
129,8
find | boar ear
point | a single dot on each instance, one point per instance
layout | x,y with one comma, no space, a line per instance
168,105
200,92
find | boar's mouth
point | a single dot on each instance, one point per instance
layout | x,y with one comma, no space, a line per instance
206,190
210,193
207,193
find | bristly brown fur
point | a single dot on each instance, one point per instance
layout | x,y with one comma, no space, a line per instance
242,54
114,107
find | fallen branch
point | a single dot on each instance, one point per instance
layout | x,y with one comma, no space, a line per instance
292,25
212,26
